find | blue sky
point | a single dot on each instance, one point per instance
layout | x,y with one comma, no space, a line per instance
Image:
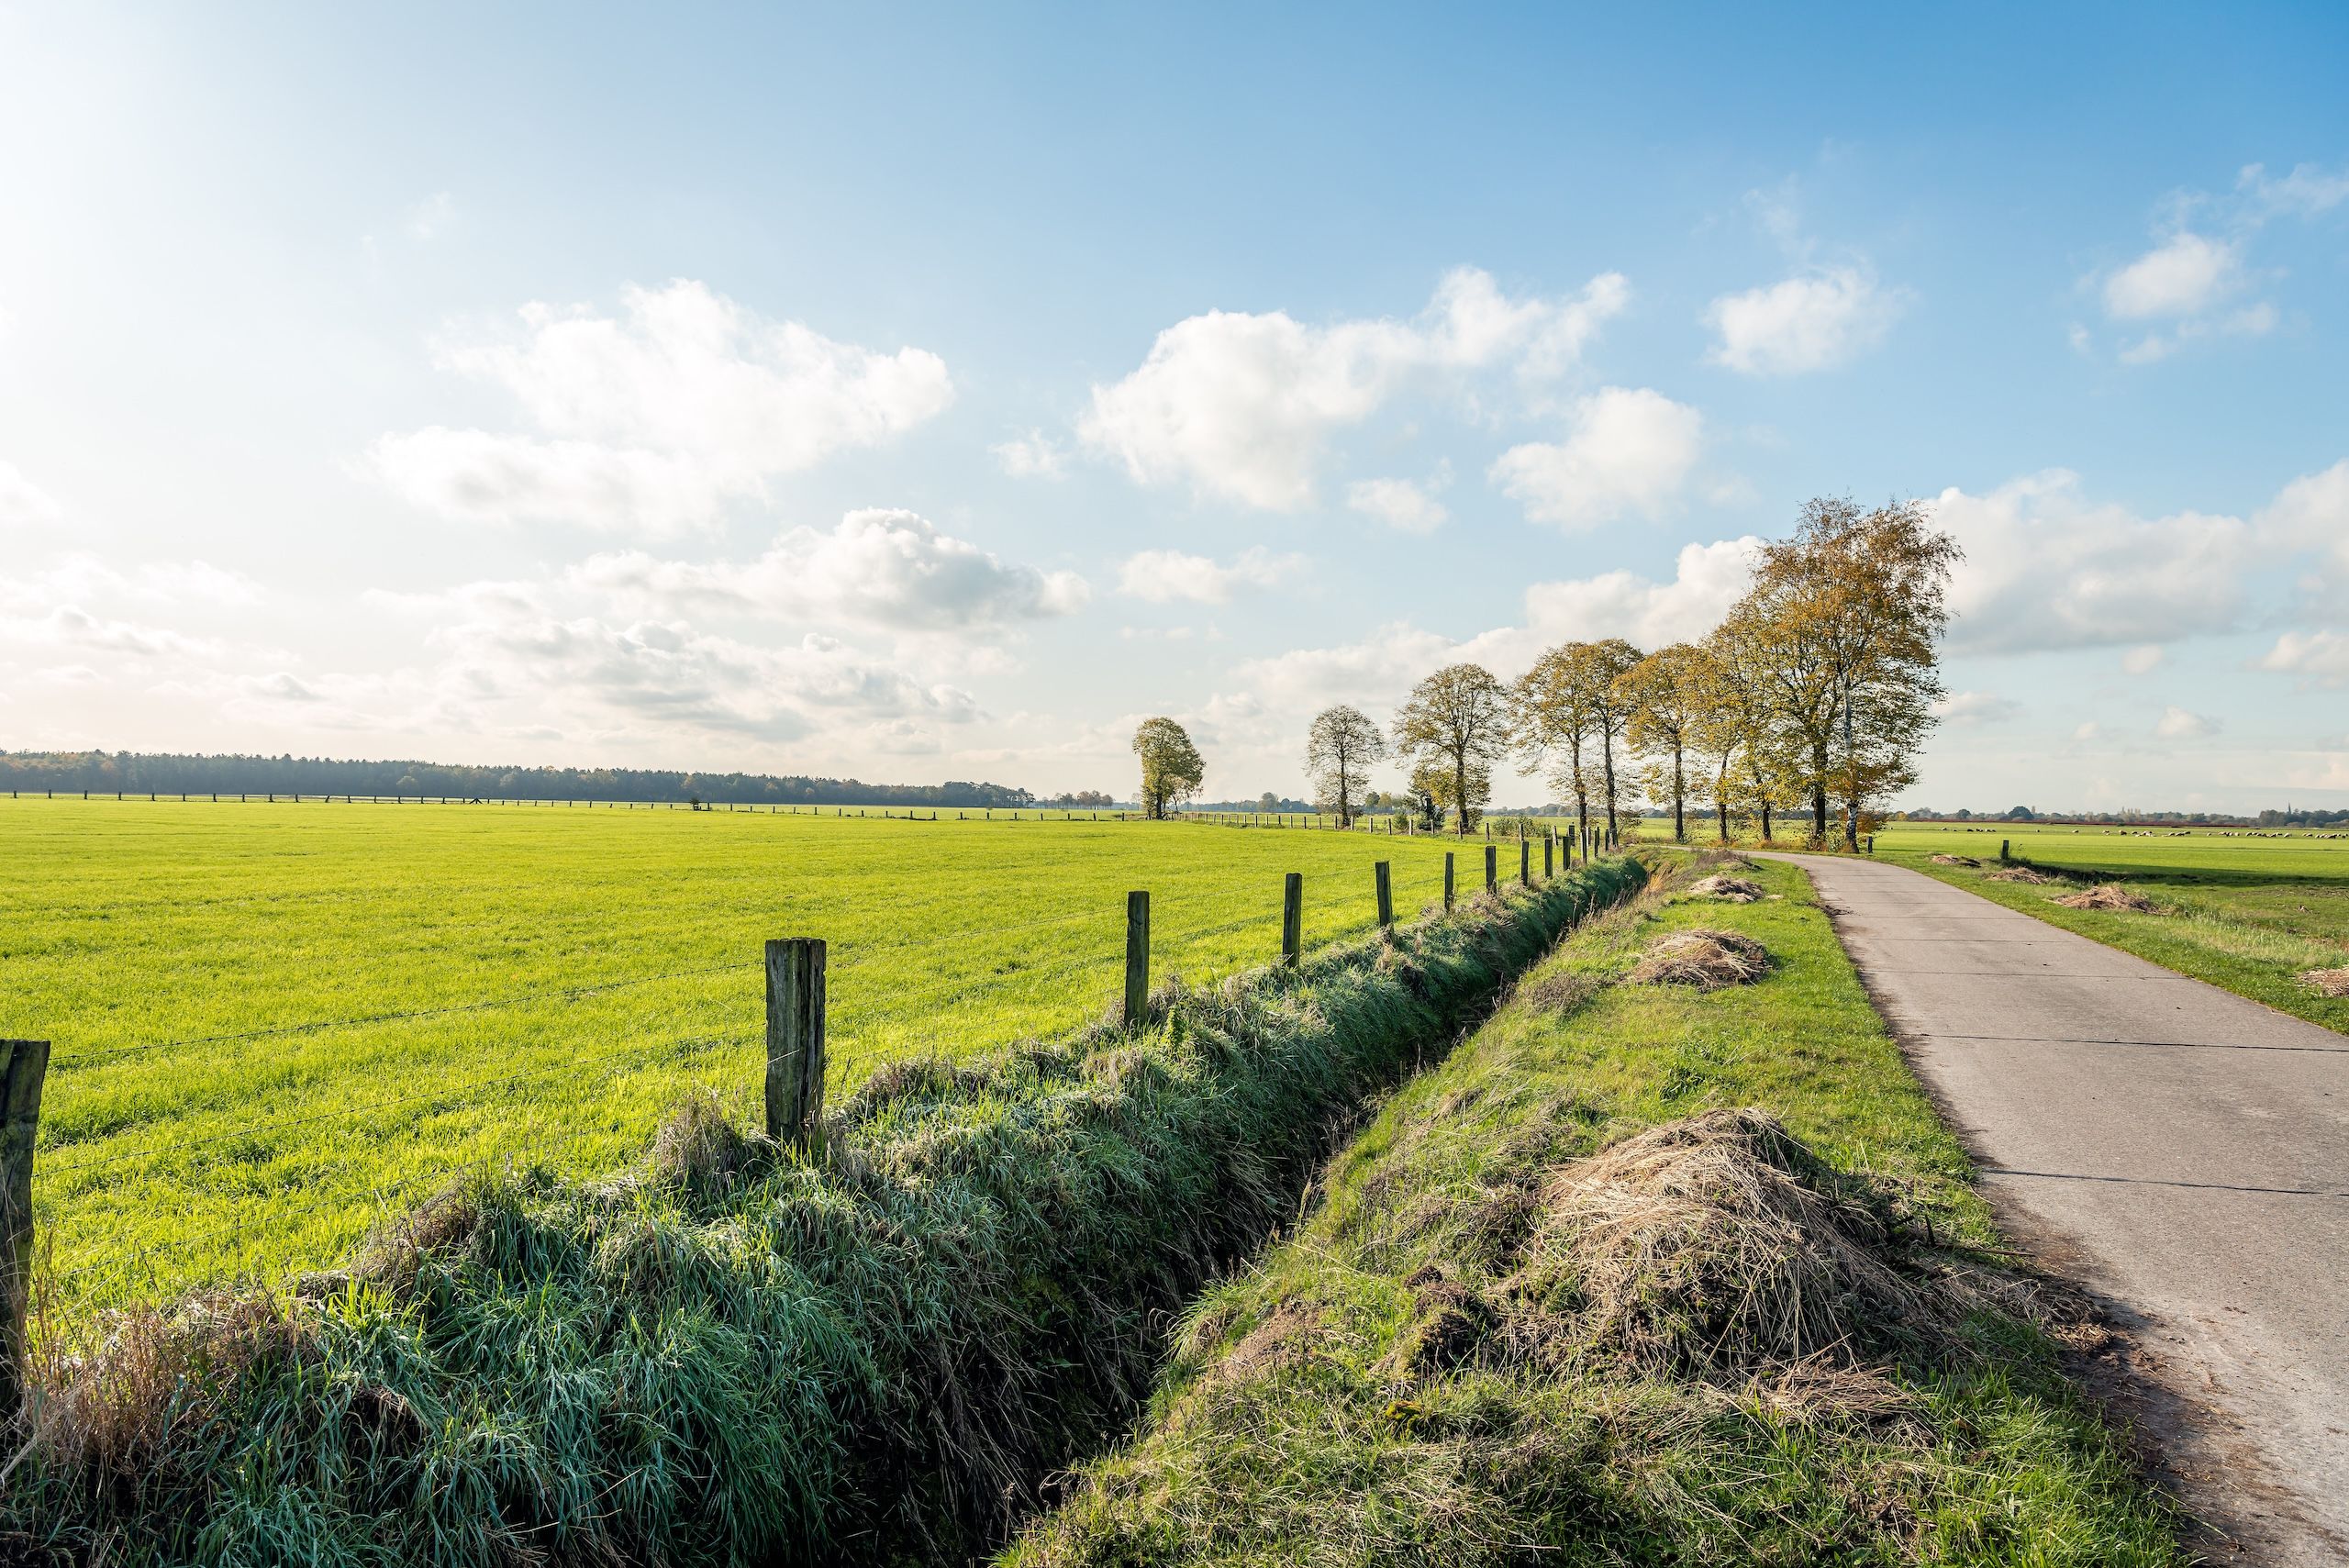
930,393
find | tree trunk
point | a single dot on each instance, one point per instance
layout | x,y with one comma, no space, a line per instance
1679,801
1607,750
1460,789
1765,821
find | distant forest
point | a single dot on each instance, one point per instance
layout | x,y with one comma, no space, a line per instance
169,773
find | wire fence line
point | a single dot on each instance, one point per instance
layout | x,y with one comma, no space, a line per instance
215,1168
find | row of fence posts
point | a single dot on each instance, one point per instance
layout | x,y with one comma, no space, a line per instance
794,1062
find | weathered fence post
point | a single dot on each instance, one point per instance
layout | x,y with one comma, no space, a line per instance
27,1064
1136,957
1447,882
794,1038
1380,874
1492,867
1525,862
1293,918
1871,843
1549,856
2002,850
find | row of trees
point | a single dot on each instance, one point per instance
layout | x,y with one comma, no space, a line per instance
1815,692
169,773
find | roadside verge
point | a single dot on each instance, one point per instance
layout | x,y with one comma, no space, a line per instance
1642,1271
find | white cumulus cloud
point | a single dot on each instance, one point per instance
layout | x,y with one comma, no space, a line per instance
2318,658
2045,567
2306,192
2177,724
879,567
1806,323
1403,505
1031,456
1242,405
1163,576
1707,580
1976,708
1628,451
655,419
2185,275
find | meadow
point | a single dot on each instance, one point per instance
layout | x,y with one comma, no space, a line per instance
273,1024
2250,914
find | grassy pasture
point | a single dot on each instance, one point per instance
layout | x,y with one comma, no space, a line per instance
271,1023
2248,914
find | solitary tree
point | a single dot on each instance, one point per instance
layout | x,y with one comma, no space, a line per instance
1339,752
1461,717
1663,696
1171,768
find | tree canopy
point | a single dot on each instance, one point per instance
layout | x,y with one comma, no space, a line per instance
1462,717
1339,750
1172,769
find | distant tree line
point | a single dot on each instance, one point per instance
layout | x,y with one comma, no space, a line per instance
172,774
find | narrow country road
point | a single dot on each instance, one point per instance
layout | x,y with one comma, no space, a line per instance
2181,1151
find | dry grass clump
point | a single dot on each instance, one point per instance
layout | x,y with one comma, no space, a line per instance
1709,1245
1729,889
2110,896
1561,993
1955,861
2327,981
1705,958
2024,873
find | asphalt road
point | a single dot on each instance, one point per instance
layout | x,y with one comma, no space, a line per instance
2180,1151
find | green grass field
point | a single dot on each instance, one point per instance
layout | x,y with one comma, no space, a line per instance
273,1023
2249,914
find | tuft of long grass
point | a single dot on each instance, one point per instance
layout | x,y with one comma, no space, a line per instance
865,1351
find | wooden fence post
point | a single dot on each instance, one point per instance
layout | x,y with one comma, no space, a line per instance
1549,856
1492,867
2002,850
794,1038
1293,918
1382,876
1137,958
1525,862
1447,882
28,1063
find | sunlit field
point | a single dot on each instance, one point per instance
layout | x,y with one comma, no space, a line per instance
271,1023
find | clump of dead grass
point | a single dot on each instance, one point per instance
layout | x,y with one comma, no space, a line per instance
1716,1245
2110,896
1561,993
2025,873
1955,861
1705,959
2327,981
1729,889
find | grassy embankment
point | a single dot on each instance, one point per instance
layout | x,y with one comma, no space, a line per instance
2251,915
868,1353
1721,1340
273,1023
